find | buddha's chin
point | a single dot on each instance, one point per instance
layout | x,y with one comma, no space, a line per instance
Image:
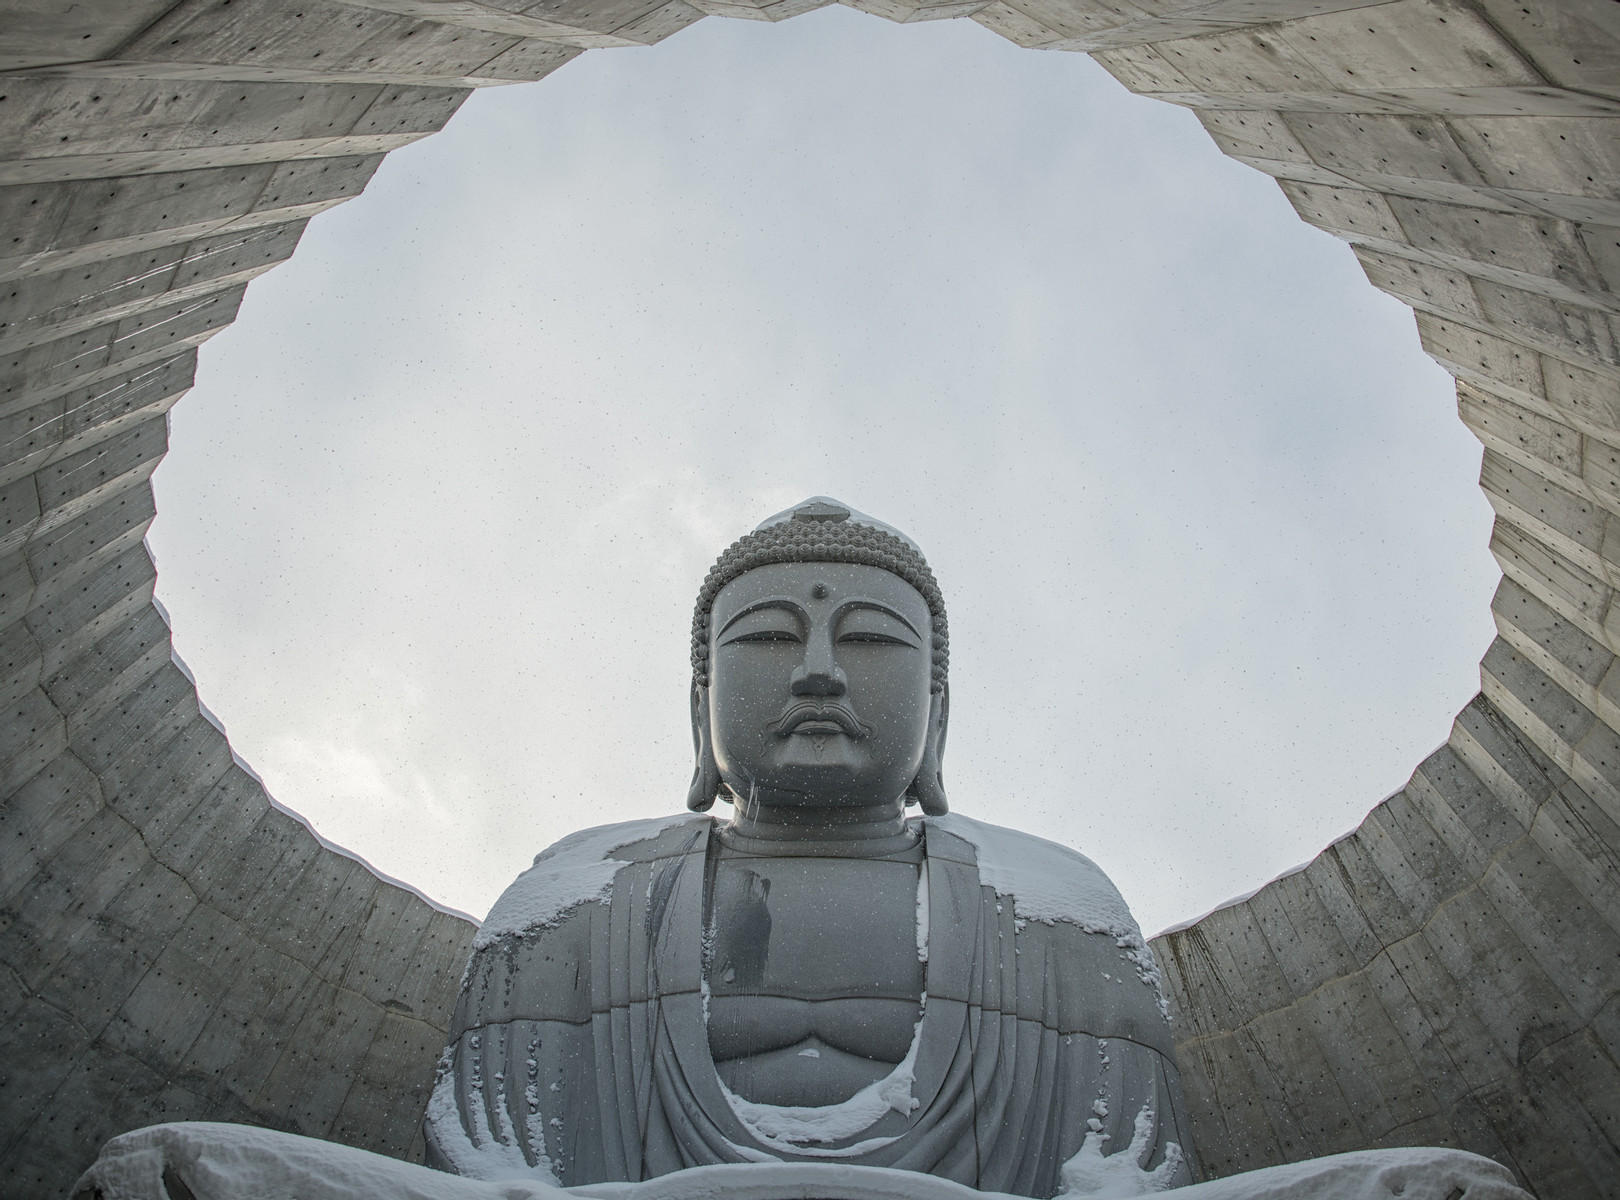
825,786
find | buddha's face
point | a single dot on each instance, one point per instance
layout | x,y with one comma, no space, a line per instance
819,678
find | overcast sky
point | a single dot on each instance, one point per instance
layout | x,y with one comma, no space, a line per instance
1206,521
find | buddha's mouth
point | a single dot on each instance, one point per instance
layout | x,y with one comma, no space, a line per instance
811,717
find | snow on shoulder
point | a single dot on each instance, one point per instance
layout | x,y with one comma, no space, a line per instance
574,871
1047,882
1050,883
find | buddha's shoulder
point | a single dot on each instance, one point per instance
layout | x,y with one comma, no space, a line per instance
581,867
1063,901
625,841
1048,882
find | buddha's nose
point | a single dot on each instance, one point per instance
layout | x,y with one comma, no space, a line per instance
819,674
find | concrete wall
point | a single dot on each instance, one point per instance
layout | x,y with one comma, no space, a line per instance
1445,974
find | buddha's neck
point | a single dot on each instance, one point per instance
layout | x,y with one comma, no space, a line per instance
878,829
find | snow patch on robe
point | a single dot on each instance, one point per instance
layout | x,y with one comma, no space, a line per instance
800,1129
1048,882
574,871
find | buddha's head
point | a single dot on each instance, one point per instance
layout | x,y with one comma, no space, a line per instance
819,655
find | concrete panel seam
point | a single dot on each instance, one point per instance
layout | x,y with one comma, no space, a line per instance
135,37
1474,886
46,333
153,855
1527,56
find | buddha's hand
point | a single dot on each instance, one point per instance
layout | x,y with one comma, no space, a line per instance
1098,1176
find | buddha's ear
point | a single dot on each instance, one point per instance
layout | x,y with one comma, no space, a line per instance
706,778
928,788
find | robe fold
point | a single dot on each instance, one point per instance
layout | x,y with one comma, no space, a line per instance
579,1048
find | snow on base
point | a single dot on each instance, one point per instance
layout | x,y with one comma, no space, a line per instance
1093,1173
574,871
1410,1174
239,1162
1051,883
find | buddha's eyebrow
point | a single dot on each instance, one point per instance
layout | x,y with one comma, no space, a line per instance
786,602
863,602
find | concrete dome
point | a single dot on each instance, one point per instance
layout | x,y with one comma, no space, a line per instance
1445,974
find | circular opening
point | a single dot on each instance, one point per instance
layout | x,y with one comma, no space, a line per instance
1203,512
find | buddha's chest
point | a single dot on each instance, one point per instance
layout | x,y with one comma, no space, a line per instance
814,928
813,970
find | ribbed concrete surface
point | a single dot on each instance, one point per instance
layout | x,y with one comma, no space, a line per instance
175,947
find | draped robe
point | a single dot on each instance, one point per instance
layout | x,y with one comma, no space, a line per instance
579,1047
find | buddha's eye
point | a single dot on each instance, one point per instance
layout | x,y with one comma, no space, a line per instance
872,637
769,624
873,627
763,635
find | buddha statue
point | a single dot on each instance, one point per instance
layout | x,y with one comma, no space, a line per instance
820,996
818,978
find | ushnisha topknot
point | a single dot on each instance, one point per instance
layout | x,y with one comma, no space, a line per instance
822,530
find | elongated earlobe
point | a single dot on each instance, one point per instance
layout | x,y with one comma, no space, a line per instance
928,788
705,787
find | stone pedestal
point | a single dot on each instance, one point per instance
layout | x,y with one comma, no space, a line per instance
204,1161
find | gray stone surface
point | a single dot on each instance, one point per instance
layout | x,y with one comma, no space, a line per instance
581,1049
1464,147
815,979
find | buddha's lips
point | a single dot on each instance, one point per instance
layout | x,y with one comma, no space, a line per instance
807,712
